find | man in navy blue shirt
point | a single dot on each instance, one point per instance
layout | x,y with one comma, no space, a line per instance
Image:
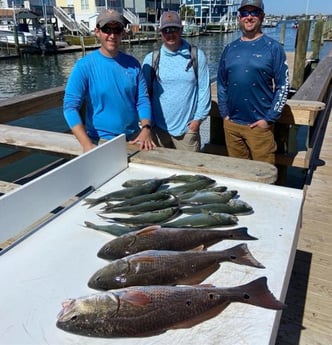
252,87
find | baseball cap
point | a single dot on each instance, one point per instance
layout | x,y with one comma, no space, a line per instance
109,16
256,3
170,18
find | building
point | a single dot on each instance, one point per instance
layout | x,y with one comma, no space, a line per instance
213,11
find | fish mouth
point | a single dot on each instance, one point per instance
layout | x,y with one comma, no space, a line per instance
66,306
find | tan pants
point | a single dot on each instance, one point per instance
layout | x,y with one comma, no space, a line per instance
190,141
250,143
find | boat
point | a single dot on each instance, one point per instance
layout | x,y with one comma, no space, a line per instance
22,28
270,22
191,30
295,25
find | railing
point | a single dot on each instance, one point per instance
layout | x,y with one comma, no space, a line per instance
130,16
69,22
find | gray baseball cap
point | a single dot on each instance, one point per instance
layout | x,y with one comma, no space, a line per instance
109,16
170,19
256,3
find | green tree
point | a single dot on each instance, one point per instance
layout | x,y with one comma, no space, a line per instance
187,12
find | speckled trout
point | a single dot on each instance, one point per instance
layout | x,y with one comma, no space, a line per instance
141,311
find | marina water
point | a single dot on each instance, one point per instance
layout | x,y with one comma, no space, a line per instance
31,73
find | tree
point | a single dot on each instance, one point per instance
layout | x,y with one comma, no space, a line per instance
187,12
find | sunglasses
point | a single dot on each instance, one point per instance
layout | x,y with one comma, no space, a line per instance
253,13
108,30
170,29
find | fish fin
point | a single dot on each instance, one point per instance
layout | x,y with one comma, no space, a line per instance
134,297
141,258
257,293
213,312
206,285
199,248
147,230
199,276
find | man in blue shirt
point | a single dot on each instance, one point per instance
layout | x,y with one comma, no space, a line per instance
180,101
113,88
252,87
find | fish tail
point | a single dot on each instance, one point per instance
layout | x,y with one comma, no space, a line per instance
257,293
91,202
91,225
241,255
242,233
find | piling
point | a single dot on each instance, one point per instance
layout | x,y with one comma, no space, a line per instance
283,33
301,45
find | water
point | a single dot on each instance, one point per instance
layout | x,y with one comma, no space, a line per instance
33,73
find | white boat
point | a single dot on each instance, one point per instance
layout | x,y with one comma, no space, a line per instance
25,21
270,22
190,30
7,35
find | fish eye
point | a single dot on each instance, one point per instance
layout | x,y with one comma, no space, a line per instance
73,318
246,296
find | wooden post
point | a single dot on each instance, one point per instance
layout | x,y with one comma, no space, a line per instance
317,39
301,45
283,33
17,45
82,45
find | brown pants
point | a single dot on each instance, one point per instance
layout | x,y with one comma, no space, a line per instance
189,141
250,143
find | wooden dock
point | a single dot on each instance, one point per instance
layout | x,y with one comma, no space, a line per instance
307,320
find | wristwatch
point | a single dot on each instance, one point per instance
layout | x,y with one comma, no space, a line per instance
146,126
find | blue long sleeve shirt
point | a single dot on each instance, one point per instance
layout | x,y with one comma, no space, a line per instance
253,82
114,92
178,97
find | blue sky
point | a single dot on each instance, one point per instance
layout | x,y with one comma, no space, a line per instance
289,7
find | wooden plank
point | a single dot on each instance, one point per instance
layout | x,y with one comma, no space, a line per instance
21,106
6,187
300,112
315,87
40,140
206,163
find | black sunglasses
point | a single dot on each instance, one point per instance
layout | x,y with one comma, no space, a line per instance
170,29
253,13
108,30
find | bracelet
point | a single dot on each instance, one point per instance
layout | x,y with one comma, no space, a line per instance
146,126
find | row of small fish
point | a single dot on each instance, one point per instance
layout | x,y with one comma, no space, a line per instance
142,311
146,187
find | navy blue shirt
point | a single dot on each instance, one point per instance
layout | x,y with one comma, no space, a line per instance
253,80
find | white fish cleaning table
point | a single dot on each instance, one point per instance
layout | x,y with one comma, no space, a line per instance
56,260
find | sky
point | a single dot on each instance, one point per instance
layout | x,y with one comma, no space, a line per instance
291,7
